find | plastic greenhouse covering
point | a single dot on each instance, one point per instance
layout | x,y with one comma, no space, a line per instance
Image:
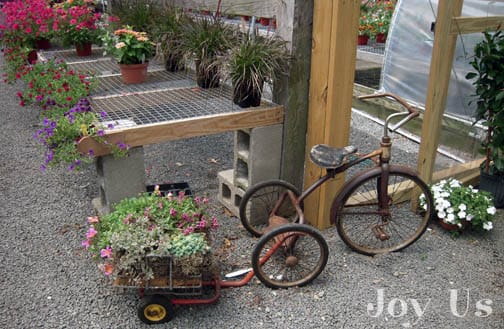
409,49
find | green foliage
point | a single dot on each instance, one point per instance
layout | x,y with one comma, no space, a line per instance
488,63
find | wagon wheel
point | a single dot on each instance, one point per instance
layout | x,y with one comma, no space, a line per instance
155,309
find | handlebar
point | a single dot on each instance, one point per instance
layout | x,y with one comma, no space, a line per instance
412,113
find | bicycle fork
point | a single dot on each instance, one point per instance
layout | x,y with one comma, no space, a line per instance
382,191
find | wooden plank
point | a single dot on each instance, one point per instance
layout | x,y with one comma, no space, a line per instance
185,128
439,77
465,25
330,110
467,173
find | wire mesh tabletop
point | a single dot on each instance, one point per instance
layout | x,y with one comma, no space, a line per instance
96,64
156,80
170,104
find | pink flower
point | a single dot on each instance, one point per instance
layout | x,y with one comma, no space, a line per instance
91,233
215,225
93,219
106,253
86,244
173,212
188,230
107,269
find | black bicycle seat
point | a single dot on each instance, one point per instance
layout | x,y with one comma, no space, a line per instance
328,157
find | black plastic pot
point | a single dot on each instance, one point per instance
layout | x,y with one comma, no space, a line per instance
174,63
495,185
245,96
207,77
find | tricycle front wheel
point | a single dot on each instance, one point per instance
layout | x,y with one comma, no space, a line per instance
155,309
290,255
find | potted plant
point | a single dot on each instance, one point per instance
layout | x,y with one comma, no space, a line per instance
79,26
151,225
252,62
168,34
488,64
381,16
132,50
31,22
365,30
53,86
203,40
459,206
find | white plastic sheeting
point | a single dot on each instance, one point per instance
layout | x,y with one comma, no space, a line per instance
409,49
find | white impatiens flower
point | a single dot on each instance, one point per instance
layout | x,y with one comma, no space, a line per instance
450,210
469,217
454,183
488,226
462,207
450,218
491,210
461,214
441,214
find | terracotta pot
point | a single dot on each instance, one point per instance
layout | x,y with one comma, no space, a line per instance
381,38
32,57
43,43
84,49
133,73
453,227
362,40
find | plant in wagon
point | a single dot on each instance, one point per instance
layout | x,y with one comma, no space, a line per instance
132,50
251,63
488,65
151,225
459,206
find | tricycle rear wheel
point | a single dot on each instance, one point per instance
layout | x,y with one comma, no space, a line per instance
155,309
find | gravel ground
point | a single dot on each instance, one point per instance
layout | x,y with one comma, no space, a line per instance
48,282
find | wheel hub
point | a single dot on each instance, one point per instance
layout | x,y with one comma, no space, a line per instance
155,312
291,261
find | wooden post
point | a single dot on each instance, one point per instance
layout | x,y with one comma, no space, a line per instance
295,21
335,28
439,77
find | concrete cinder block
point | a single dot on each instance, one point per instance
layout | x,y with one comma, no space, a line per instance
119,179
229,195
257,155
